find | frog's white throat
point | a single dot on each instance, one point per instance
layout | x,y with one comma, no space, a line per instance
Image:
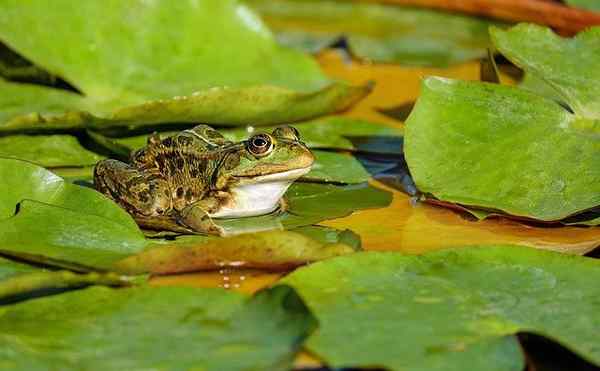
259,197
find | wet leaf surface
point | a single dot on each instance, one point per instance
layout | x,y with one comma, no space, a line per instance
273,251
58,220
191,80
570,66
101,328
48,150
459,130
380,33
19,281
459,307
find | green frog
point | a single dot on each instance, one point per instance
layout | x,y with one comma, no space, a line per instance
182,182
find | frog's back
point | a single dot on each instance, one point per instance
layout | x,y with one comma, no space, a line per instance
187,161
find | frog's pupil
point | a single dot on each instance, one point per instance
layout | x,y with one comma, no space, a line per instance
259,142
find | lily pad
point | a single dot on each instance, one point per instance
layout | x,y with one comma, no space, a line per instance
570,66
275,250
327,235
161,75
458,131
166,328
48,150
550,167
380,33
16,68
58,220
460,308
20,281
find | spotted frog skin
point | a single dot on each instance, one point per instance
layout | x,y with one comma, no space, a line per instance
182,182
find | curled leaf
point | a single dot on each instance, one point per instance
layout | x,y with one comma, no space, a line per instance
275,250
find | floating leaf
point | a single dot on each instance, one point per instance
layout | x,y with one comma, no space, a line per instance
16,68
260,105
328,235
458,307
570,66
59,220
534,181
20,281
124,84
148,328
337,168
59,236
275,250
33,285
382,33
550,166
48,150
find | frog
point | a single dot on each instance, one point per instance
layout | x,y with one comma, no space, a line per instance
184,182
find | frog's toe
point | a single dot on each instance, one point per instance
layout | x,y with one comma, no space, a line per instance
199,221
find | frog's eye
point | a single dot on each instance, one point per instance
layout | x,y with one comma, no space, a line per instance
260,145
288,132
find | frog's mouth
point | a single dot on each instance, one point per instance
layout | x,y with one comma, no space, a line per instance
289,175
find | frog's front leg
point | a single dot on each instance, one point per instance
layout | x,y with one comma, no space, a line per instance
139,193
196,217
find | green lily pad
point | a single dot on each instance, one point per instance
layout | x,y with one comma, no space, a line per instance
9,268
336,168
20,281
274,250
381,33
586,4
16,68
166,328
570,66
59,220
32,285
48,150
327,235
460,308
34,109
458,131
179,52
539,86
162,75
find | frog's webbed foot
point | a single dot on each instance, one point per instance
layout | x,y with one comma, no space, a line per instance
197,219
162,223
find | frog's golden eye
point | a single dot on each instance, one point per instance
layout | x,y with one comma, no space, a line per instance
260,145
288,132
